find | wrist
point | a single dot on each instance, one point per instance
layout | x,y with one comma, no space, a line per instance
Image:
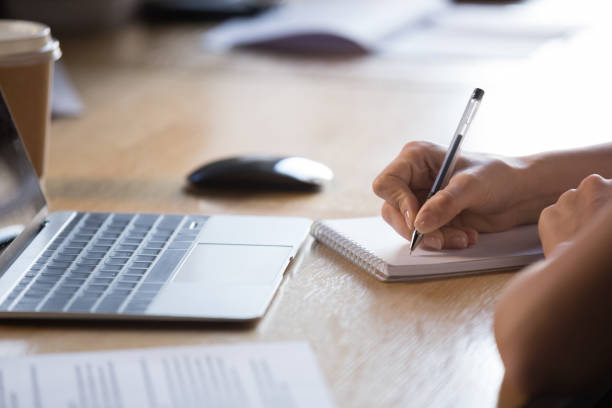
540,183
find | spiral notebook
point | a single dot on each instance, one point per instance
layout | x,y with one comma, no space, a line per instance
373,245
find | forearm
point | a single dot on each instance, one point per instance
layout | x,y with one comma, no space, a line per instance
547,175
553,324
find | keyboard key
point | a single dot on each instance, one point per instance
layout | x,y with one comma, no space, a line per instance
146,220
143,265
56,269
124,285
110,305
55,303
94,255
136,234
25,306
127,247
121,254
82,304
96,288
83,237
6,304
169,222
87,261
47,279
122,217
144,297
76,244
64,257
131,241
74,281
103,281
41,286
144,258
129,278
165,266
101,248
135,271
180,245
149,251
154,245
106,274
79,267
52,272
119,292
111,268
116,261
66,290
78,275
137,307
149,287
105,241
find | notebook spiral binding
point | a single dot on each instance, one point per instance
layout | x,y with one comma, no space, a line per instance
350,250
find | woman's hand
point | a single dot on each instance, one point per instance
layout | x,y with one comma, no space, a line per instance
485,194
560,222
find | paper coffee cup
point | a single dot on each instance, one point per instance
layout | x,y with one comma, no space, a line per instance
27,55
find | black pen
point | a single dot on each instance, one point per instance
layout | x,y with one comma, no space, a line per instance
448,165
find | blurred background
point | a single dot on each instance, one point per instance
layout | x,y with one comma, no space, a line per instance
447,45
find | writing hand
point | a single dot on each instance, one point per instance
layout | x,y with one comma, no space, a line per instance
485,194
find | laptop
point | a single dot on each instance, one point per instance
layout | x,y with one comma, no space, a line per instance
80,265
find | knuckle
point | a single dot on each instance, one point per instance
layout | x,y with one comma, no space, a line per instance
465,181
378,184
417,147
547,214
593,181
566,196
445,200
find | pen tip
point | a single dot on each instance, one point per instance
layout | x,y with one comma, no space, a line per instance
478,94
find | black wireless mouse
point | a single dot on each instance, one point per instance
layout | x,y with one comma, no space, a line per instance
262,173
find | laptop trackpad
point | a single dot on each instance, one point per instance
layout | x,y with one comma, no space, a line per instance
230,264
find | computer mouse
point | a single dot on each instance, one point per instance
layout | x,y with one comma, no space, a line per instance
262,173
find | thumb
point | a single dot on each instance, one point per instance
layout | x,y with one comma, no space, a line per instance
447,203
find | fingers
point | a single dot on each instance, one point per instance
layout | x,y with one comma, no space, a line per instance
450,238
398,195
462,191
393,217
406,176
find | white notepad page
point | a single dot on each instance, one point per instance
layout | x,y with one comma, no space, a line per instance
372,244
264,375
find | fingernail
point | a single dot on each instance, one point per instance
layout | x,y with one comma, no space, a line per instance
407,215
424,221
458,242
433,242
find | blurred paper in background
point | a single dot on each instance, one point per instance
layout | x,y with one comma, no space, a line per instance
434,28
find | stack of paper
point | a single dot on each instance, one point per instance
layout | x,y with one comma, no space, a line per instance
273,375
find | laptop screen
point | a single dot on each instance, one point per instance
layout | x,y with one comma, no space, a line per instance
20,195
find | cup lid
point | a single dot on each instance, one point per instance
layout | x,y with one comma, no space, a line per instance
24,37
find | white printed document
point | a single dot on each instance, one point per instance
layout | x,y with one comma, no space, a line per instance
244,375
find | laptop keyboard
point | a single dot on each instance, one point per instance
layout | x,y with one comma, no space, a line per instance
106,263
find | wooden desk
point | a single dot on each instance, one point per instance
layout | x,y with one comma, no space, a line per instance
157,108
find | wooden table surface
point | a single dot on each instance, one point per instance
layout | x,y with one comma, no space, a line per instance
157,107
